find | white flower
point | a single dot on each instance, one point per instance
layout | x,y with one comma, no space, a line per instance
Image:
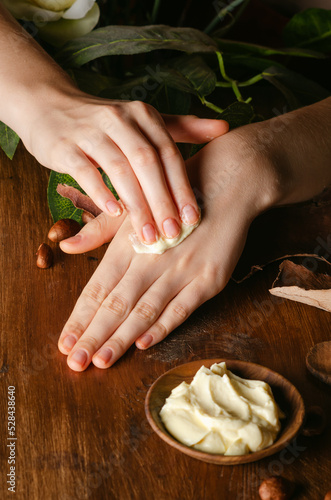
57,20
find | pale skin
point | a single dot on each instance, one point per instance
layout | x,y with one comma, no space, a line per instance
134,298
72,132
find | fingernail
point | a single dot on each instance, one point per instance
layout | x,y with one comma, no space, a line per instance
145,340
114,208
189,215
79,357
149,234
69,342
73,239
170,228
105,355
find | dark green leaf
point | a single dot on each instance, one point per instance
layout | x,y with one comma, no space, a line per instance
238,114
116,40
310,28
171,101
297,89
255,63
242,48
8,140
90,81
199,75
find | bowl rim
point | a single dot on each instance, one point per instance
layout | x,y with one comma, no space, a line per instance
218,459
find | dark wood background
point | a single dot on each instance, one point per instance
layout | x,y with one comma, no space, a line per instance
85,436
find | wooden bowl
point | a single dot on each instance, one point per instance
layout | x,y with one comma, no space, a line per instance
285,394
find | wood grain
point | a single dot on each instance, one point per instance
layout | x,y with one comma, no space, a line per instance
286,395
85,436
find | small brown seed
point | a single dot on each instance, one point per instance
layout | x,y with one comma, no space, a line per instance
276,488
44,256
62,229
328,495
315,421
87,217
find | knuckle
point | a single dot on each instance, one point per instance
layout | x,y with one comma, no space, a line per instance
73,327
144,156
159,331
142,107
116,305
169,152
119,167
118,344
96,292
180,311
145,311
89,343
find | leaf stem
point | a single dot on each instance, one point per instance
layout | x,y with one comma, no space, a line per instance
210,105
251,81
221,65
236,91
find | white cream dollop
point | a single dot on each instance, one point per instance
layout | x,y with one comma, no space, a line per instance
222,413
162,244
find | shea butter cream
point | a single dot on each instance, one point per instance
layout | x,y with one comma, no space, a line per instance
222,413
162,244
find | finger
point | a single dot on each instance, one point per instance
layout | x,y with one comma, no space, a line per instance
97,289
174,171
146,311
93,235
90,180
123,176
193,129
113,312
176,312
145,164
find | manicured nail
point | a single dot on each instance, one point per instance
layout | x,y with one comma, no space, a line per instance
73,239
149,234
114,208
145,340
105,355
69,342
79,357
189,215
170,228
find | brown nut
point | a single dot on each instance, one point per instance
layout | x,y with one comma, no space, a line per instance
276,488
315,421
87,217
44,256
328,495
62,229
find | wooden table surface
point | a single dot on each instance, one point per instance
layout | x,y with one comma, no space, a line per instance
85,435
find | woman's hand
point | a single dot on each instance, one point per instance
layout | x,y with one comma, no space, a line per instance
72,132
139,298
134,145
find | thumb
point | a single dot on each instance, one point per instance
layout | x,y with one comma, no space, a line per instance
93,235
192,129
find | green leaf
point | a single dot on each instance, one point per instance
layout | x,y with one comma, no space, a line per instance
171,101
310,28
297,89
200,77
8,140
238,114
117,40
92,82
62,208
242,48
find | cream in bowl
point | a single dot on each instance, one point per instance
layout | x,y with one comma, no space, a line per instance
222,413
